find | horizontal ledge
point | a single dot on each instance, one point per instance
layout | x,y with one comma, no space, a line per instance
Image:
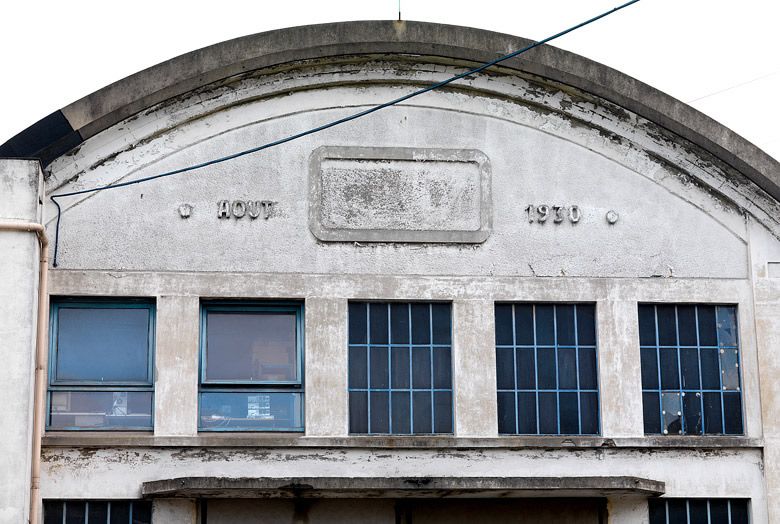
232,440
401,487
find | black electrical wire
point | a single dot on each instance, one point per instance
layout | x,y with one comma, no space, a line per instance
323,127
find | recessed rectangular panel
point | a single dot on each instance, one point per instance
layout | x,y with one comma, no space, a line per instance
379,194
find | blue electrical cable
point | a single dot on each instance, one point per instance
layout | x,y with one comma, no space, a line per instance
323,127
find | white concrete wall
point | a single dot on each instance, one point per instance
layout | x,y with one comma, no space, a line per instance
20,190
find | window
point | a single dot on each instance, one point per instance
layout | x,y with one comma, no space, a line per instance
400,371
97,511
546,369
695,511
690,369
100,372
251,376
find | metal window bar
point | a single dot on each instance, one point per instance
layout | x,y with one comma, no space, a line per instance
515,346
681,390
49,505
691,516
390,389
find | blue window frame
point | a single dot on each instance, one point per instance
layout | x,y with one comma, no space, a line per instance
696,511
400,370
251,372
690,369
547,370
97,511
101,365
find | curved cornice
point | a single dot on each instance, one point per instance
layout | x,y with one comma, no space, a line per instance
64,129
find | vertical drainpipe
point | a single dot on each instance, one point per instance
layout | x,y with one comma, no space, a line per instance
41,343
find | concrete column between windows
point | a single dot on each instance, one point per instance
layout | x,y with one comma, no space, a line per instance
174,511
627,510
620,369
325,367
474,368
176,366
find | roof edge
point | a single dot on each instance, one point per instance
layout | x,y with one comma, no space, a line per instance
64,129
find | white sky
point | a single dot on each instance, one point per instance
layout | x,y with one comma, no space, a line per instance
55,52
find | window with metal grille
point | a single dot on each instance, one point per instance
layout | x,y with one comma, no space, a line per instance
690,369
400,371
547,374
97,512
251,376
699,511
101,365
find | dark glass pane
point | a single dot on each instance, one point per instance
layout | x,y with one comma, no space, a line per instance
692,413
657,511
379,368
100,409
732,413
103,344
251,410
505,366
686,325
697,511
358,367
689,364
588,373
120,512
399,323
440,317
75,512
713,420
526,369
569,408
402,414
678,511
52,512
442,368
251,346
526,413
358,412
504,325
379,412
548,413
651,410
646,325
708,333
671,406
564,324
377,318
399,372
727,326
739,511
421,367
98,512
142,512
567,368
719,511
670,377
506,413
421,324
524,324
586,324
358,327
546,368
649,368
729,368
442,404
710,368
667,327
589,413
421,405
545,325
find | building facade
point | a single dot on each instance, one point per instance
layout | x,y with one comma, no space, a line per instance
544,293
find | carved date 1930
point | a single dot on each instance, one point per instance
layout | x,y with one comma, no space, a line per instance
555,213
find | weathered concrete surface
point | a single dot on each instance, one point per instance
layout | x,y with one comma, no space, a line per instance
174,511
20,191
627,510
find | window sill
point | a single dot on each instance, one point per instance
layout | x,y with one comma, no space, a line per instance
292,440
